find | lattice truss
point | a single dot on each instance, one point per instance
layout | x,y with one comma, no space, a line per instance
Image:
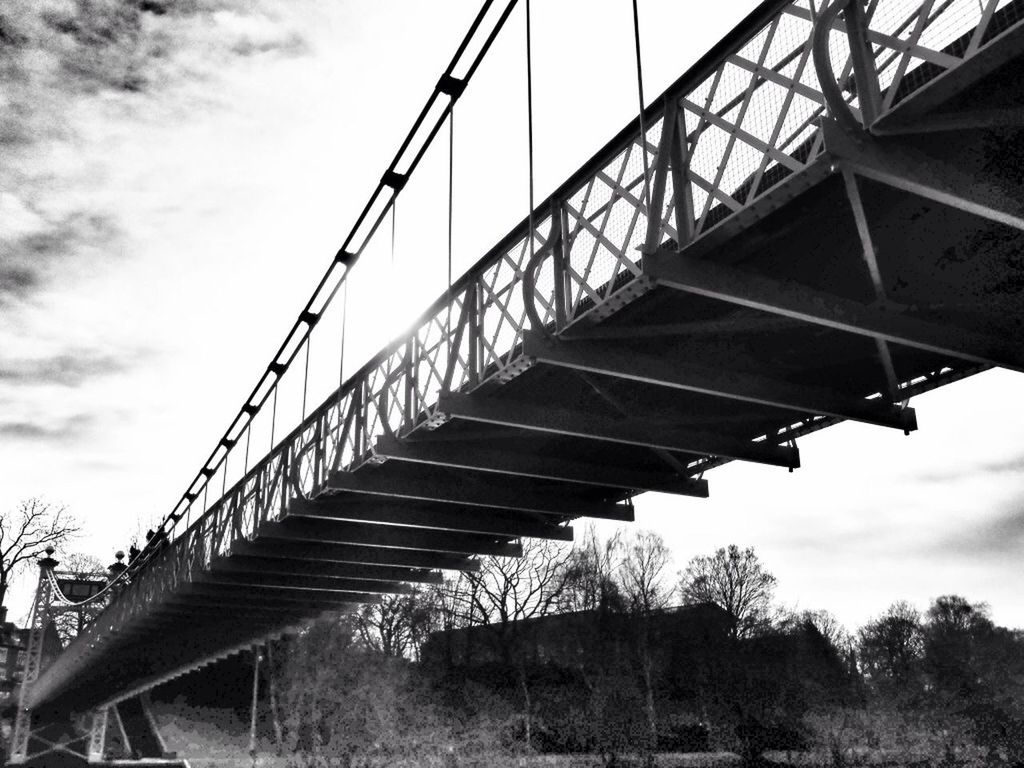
710,150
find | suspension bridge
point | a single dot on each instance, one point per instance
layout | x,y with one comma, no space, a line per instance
819,220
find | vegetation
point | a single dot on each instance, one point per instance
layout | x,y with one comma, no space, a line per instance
600,651
26,532
603,651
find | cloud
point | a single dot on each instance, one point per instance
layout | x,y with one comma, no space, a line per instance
1001,536
17,281
254,34
973,471
67,370
62,430
1014,464
28,259
136,47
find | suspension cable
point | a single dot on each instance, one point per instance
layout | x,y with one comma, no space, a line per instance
273,420
529,117
67,604
640,96
344,321
305,380
451,206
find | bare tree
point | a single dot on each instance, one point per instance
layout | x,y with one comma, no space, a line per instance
591,582
829,627
891,647
507,592
450,606
598,634
397,625
643,584
644,571
71,622
25,534
734,580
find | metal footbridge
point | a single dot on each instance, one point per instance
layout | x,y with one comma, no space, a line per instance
819,220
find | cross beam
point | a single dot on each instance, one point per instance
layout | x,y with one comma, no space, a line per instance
640,432
618,361
324,552
403,537
456,456
273,582
179,610
258,594
313,603
242,564
413,483
784,297
437,516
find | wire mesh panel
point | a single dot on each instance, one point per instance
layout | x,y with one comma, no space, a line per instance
502,307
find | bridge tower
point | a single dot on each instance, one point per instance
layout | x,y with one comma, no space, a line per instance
38,621
26,731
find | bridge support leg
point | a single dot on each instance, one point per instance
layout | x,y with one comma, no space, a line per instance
33,658
20,736
98,735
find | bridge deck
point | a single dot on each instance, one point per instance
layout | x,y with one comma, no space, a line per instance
798,274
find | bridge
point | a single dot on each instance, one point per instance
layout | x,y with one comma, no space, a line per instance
818,221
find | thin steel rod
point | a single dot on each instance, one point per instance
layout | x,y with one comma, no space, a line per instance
640,95
529,118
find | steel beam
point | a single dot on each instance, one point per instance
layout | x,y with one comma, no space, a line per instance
616,360
258,594
640,432
438,516
899,163
784,297
180,611
269,565
184,605
456,456
426,485
323,552
401,537
273,582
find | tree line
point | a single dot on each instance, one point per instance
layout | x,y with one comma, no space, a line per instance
602,648
466,667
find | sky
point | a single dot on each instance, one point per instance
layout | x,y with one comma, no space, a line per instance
175,177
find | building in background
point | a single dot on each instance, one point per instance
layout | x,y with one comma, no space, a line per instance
13,641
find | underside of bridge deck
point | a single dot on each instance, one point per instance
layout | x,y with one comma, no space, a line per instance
888,265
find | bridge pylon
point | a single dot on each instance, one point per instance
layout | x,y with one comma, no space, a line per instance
40,617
